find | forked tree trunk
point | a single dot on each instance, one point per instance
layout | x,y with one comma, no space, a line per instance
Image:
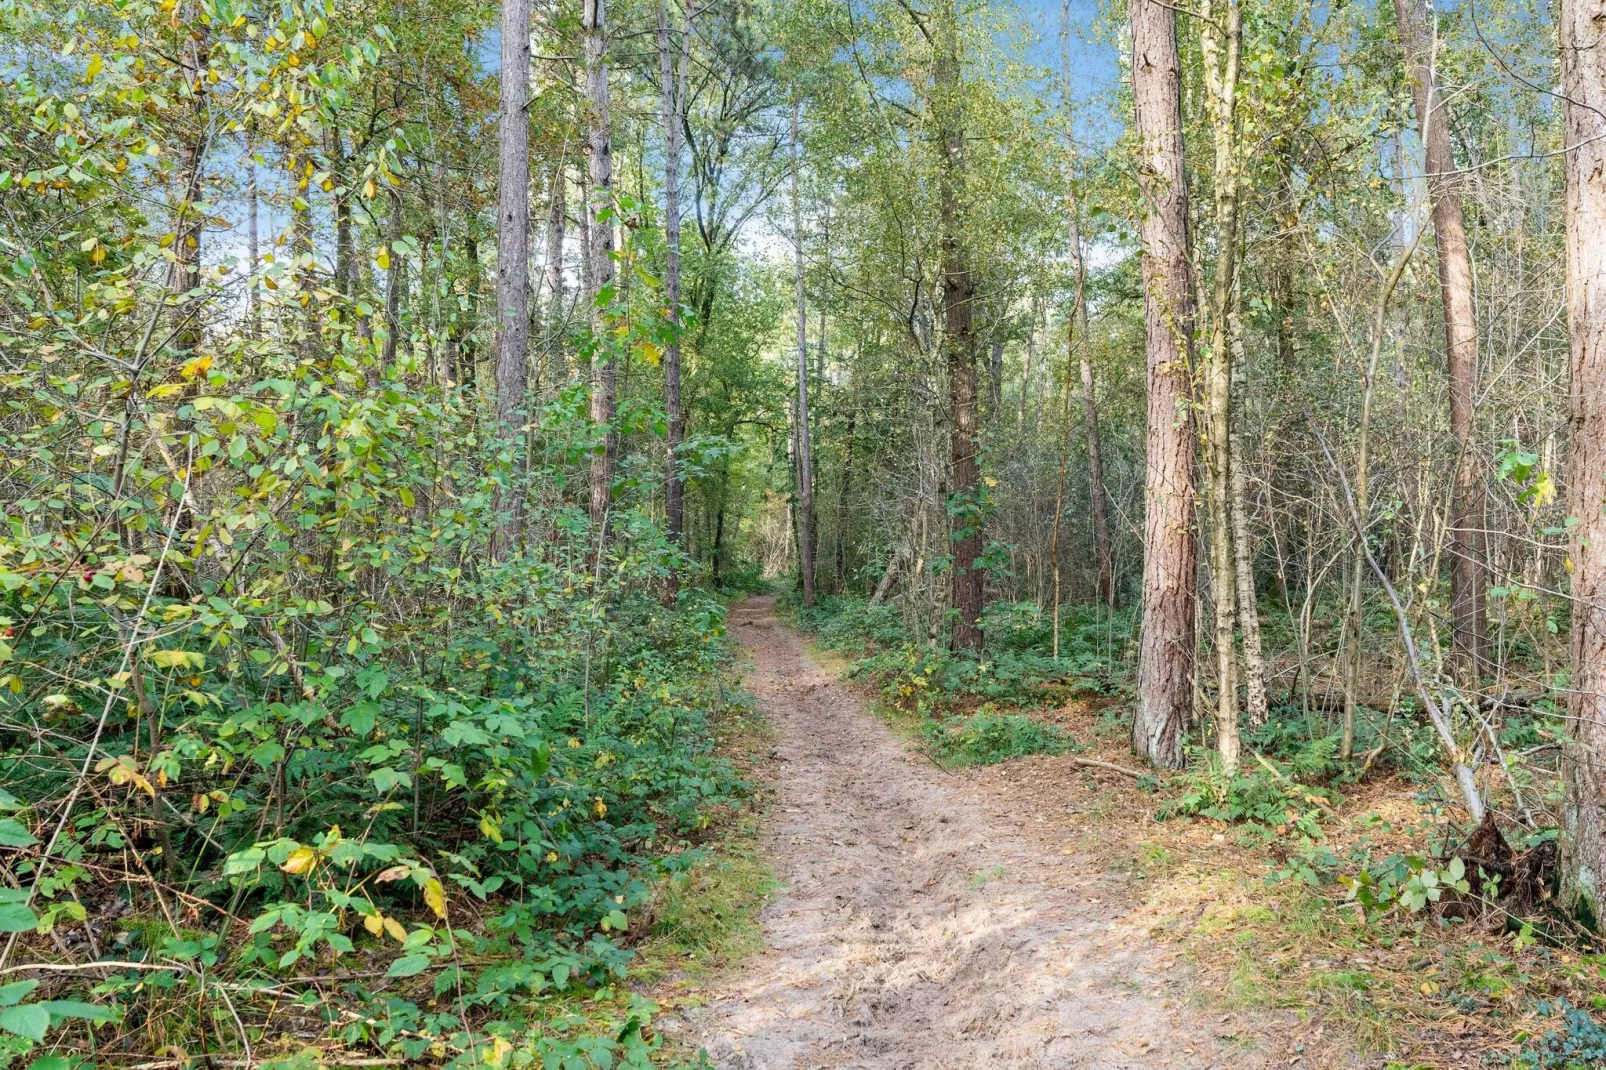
674,503
802,453
599,266
1165,657
958,336
512,251
1583,811
1467,543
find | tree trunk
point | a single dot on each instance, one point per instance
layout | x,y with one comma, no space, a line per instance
1221,82
958,336
842,508
1098,497
674,503
1583,811
1467,541
1255,705
252,253
802,454
556,226
395,277
512,252
1165,658
599,266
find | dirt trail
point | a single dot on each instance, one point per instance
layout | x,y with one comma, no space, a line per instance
915,929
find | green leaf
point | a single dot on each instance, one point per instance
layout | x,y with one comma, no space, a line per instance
72,1008
30,1021
14,834
50,1062
408,965
15,992
17,918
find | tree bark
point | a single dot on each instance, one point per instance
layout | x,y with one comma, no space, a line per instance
599,265
1583,811
1220,52
1166,650
1098,496
556,227
958,336
395,277
674,502
512,250
1467,542
802,453
252,253
1255,705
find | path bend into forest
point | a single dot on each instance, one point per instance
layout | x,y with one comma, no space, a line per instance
916,926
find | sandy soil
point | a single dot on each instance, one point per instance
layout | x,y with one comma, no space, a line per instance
918,927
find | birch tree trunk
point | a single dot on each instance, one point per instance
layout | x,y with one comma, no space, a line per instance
802,453
1166,650
1467,542
599,261
1583,811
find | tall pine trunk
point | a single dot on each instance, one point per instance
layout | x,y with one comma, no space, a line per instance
512,250
1583,810
599,259
802,445
958,335
1460,331
1165,656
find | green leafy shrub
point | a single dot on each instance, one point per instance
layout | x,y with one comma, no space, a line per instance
986,737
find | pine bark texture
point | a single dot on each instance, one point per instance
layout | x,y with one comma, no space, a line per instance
556,234
1583,84
599,261
1467,542
1166,650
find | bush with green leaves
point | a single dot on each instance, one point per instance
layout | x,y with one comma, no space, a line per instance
987,737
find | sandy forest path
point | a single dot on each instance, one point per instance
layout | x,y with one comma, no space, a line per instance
914,928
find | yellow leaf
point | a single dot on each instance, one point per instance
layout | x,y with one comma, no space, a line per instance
198,366
394,928
374,923
301,860
89,243
382,258
489,829
95,64
394,873
369,189
435,897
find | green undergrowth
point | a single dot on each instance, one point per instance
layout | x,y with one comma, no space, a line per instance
986,737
